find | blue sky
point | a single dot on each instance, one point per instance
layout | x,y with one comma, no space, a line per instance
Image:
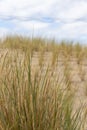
61,19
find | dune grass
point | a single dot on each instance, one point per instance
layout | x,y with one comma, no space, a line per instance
34,101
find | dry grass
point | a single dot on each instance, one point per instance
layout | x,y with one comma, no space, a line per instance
37,86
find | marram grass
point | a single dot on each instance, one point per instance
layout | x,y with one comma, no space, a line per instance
37,100
34,102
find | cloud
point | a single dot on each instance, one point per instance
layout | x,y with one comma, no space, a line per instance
72,9
55,18
3,31
32,25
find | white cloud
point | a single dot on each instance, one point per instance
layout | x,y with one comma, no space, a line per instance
3,31
69,16
31,25
75,11
27,7
74,29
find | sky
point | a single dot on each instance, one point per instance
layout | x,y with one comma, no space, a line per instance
59,19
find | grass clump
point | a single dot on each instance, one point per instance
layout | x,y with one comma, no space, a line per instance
34,102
